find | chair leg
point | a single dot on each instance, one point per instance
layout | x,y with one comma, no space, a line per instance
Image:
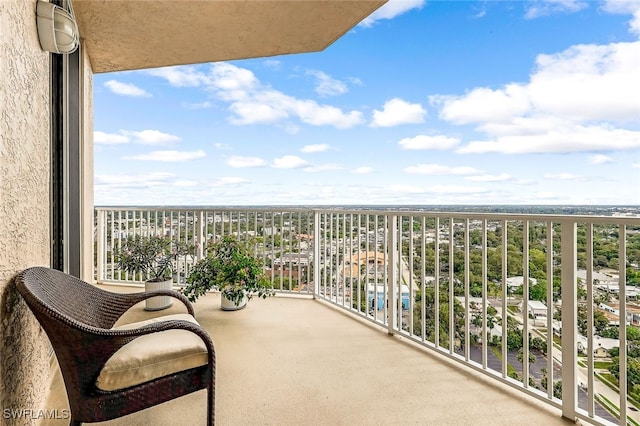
211,404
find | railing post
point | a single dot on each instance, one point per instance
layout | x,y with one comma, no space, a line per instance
201,239
100,245
392,273
568,252
622,321
316,254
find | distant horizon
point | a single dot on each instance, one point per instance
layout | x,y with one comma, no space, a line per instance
423,103
323,206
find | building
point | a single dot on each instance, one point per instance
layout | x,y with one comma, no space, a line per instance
516,282
601,345
371,263
535,308
612,312
381,296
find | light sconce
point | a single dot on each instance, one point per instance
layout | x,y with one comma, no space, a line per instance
57,28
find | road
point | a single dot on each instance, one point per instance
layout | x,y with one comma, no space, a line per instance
599,387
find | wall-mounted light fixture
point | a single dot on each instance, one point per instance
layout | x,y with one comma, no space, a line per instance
57,28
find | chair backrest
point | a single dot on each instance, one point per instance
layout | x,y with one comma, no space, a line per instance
68,309
54,293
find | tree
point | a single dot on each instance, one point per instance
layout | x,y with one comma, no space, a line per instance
600,321
633,333
633,370
532,357
538,291
557,386
538,344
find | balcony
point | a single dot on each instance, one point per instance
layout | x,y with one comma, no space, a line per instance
289,360
324,354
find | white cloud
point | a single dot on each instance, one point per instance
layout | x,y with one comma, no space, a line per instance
228,181
540,8
489,178
152,137
272,63
242,162
324,115
197,105
452,189
256,112
315,148
600,159
396,112
362,170
588,82
251,101
140,180
126,89
436,189
629,7
580,99
437,169
222,146
184,76
232,79
186,183
289,162
168,156
561,140
323,168
391,9
326,85
564,176
483,104
636,165
439,142
109,138
480,14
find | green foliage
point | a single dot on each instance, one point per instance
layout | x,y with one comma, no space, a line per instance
633,334
633,374
443,317
520,357
152,256
231,268
538,344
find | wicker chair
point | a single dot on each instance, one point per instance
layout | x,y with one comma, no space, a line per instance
78,318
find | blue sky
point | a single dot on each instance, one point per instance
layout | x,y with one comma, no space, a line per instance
424,102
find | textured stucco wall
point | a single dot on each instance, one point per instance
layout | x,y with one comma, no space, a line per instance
24,204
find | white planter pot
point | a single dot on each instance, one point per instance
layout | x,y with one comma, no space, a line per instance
228,305
159,302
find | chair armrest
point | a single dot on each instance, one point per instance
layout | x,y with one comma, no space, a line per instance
156,327
139,297
121,302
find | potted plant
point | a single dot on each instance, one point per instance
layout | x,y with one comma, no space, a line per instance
153,257
230,268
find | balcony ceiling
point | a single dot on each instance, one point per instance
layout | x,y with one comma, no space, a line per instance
125,35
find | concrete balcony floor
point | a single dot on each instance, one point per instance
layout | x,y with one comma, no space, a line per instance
295,361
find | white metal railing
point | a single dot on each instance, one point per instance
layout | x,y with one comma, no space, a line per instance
448,281
280,237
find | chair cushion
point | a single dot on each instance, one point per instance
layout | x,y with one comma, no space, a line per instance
153,355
